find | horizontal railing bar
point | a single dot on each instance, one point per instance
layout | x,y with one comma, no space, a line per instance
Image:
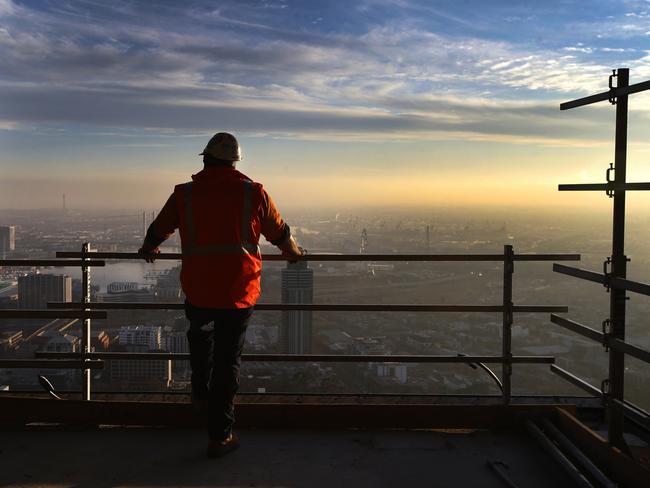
634,406
52,314
631,412
332,358
145,356
289,307
347,257
578,328
540,308
52,363
614,282
547,257
604,186
580,273
579,382
316,307
629,285
599,97
634,351
280,393
58,263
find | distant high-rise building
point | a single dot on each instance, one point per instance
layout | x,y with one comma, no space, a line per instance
7,240
363,248
428,238
297,287
147,337
35,290
136,374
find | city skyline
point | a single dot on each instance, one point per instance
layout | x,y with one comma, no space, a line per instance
373,104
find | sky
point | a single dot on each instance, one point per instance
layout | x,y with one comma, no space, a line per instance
374,103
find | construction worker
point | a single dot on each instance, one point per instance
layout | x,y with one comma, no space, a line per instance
220,215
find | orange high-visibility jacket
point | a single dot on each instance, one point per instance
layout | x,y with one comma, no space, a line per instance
220,223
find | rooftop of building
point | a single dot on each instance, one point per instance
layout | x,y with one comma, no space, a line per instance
114,457
304,441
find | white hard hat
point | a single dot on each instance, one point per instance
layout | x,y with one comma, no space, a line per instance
223,145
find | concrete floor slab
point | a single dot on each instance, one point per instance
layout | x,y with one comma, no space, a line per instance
138,457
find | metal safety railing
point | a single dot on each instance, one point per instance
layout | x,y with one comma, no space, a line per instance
88,310
613,276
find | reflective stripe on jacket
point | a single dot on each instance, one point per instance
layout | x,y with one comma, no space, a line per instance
219,225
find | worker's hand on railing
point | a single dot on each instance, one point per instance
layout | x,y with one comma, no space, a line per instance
298,251
290,248
149,255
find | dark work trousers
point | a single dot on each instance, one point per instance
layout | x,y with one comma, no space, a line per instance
216,337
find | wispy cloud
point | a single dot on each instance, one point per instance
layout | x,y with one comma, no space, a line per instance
185,68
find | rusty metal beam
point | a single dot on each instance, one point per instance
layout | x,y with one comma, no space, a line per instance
613,463
576,454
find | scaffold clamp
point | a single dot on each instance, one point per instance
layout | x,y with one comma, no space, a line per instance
606,331
606,272
608,173
604,387
612,88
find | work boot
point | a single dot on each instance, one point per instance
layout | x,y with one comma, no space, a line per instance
217,449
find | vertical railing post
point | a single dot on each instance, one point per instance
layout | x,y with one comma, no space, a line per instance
508,270
85,331
619,270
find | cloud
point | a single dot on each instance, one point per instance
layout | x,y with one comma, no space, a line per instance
424,118
8,125
7,7
394,80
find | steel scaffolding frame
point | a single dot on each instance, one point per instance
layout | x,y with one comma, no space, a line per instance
614,280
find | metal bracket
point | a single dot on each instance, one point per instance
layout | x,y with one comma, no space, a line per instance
604,387
606,272
607,324
612,97
609,193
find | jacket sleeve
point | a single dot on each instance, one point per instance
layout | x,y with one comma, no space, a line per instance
274,229
164,225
